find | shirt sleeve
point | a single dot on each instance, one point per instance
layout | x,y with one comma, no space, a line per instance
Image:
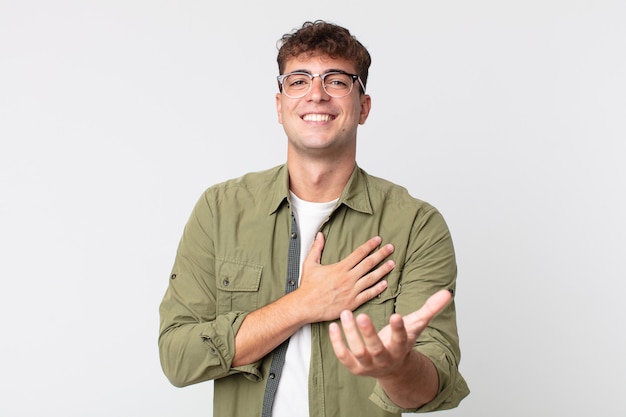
430,266
195,343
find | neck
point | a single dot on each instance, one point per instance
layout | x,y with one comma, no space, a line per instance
319,181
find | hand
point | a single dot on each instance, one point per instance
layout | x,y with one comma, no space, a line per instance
379,355
326,290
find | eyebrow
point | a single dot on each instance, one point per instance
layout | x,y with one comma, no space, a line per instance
325,72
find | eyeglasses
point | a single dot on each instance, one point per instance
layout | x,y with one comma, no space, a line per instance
336,84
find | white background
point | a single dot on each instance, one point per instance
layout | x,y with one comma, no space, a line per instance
509,116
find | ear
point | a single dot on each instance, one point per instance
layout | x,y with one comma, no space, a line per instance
279,106
366,106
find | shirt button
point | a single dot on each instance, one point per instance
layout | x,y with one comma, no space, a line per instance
173,276
225,282
292,282
272,375
294,235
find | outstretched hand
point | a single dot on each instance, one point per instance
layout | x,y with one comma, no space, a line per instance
368,353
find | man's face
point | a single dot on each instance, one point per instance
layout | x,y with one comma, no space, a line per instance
318,124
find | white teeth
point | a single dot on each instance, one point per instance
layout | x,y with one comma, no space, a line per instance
316,117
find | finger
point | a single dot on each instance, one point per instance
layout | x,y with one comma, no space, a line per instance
367,279
418,320
436,303
354,338
372,341
398,344
370,262
361,252
369,288
339,347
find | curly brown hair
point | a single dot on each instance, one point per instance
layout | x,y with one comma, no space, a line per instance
323,38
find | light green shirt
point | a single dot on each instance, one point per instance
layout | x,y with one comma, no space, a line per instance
232,259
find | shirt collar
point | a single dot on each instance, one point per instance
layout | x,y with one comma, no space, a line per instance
355,194
281,189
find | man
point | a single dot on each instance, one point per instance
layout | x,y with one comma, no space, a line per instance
298,289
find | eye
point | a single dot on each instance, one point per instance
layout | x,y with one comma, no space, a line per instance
337,81
296,81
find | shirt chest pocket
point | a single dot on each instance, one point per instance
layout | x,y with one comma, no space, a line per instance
380,308
237,286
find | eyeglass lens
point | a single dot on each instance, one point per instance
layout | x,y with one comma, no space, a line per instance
335,84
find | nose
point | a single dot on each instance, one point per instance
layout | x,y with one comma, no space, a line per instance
317,92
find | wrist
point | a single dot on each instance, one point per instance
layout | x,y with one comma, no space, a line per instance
297,307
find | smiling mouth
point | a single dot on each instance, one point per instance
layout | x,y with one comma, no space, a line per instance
317,117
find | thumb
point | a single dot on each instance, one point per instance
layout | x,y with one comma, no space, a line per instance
315,254
436,303
416,321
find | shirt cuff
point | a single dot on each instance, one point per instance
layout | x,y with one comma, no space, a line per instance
220,341
452,389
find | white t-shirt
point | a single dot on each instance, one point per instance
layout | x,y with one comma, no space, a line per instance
292,396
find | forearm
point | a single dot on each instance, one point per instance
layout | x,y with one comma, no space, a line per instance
192,351
266,328
413,384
